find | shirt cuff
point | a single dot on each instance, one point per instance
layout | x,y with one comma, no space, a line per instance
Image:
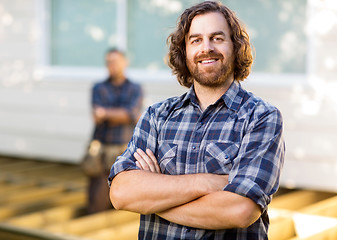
250,189
121,166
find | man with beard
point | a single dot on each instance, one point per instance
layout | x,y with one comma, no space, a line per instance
203,165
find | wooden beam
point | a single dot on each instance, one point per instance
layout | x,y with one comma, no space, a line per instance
329,234
281,229
13,209
41,219
30,194
94,222
327,208
9,186
8,232
125,231
299,199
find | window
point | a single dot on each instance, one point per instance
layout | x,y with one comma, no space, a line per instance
149,24
276,30
82,30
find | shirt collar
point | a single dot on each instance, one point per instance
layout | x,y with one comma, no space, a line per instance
108,81
232,97
188,97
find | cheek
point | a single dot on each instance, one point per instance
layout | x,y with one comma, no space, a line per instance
229,50
190,59
227,54
189,53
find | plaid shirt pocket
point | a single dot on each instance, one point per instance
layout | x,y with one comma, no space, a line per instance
219,156
167,157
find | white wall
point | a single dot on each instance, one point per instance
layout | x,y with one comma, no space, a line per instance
49,117
311,117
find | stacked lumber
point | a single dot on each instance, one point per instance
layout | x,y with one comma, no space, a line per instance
45,200
305,215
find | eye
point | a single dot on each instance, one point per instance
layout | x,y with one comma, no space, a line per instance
197,40
218,39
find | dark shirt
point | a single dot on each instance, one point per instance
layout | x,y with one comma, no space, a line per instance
128,96
239,135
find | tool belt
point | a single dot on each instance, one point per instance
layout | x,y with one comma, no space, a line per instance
100,157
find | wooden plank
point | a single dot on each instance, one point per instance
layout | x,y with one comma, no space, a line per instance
94,222
314,227
327,208
63,198
298,226
60,172
35,168
281,229
8,232
30,194
66,178
330,234
41,219
15,165
299,199
70,176
8,187
125,231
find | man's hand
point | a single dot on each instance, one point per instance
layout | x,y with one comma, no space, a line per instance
99,114
147,161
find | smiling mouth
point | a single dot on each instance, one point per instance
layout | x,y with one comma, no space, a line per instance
208,61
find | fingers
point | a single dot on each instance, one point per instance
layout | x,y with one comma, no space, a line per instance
141,162
154,160
99,114
146,161
138,165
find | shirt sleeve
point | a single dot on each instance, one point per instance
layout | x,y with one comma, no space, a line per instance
145,136
256,169
134,106
96,95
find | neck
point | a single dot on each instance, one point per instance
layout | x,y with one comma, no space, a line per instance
209,95
118,80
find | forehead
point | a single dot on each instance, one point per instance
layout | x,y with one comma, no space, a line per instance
209,23
114,55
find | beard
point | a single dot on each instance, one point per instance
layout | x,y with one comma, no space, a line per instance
211,76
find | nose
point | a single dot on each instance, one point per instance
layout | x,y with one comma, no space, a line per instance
207,46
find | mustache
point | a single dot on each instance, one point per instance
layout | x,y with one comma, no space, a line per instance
208,55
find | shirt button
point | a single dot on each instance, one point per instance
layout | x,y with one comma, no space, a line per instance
193,147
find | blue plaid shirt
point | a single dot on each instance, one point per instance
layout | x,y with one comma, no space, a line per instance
239,135
128,96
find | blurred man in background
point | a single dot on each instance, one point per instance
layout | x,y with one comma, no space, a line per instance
116,105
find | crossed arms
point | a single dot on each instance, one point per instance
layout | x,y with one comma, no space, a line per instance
194,200
115,116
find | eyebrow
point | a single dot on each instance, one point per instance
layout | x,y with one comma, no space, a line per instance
211,34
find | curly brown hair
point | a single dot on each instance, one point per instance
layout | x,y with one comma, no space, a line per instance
177,46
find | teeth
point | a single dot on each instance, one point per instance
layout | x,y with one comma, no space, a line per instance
208,61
